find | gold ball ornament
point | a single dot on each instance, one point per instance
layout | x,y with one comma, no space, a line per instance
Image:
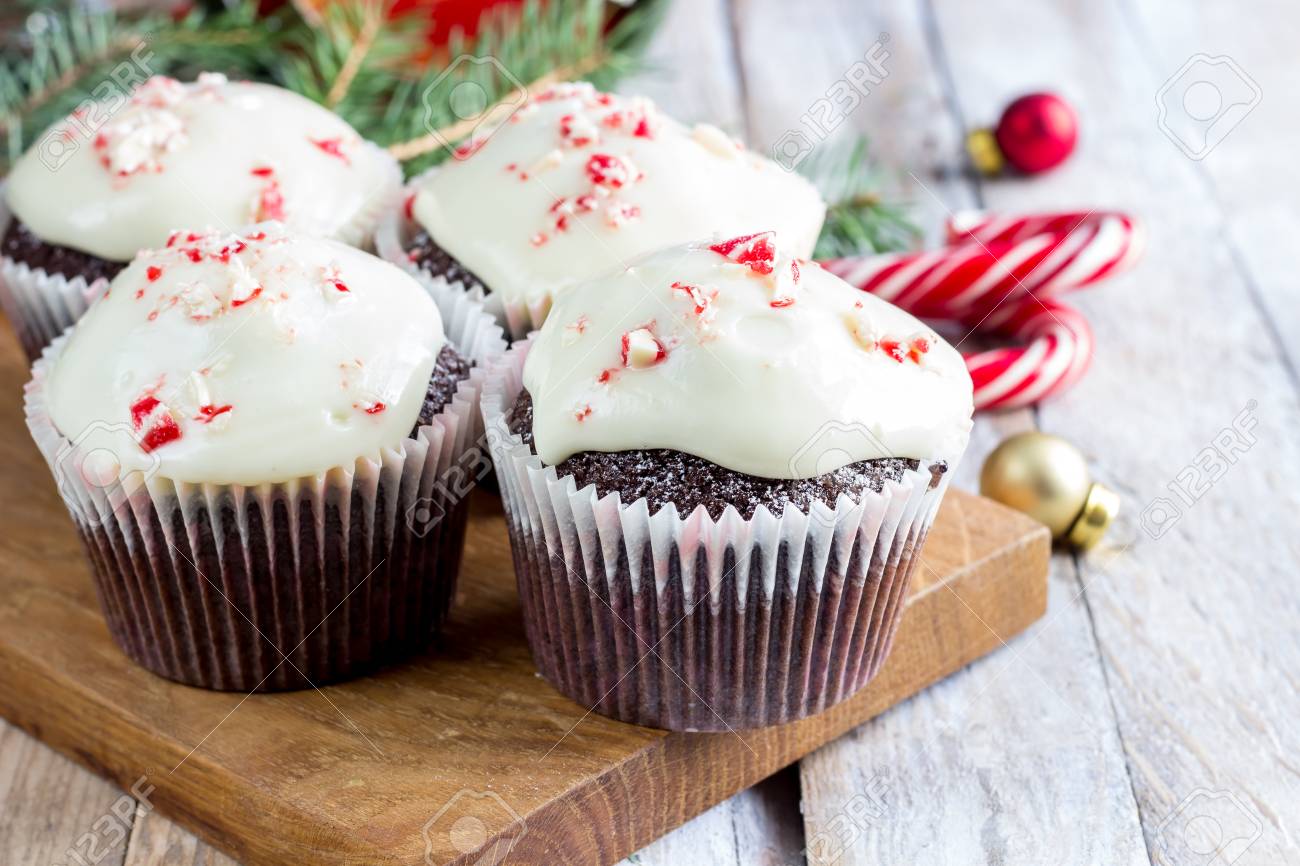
1047,478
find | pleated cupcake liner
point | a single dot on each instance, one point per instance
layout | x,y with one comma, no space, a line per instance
41,305
691,623
284,585
392,238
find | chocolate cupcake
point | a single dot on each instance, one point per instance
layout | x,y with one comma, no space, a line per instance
250,432
719,466
118,176
576,183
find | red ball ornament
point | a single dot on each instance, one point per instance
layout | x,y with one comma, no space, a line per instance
1036,132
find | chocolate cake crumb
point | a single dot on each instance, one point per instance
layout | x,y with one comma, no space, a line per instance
663,475
449,370
22,245
432,258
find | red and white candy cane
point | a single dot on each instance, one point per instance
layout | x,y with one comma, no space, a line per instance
1001,275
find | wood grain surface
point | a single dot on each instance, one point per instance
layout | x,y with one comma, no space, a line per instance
411,763
1161,685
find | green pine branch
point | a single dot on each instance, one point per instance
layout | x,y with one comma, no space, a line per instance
858,220
365,67
356,62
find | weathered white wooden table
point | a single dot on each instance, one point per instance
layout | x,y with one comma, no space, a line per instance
1158,703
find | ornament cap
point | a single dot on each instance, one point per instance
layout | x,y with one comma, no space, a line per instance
1099,509
982,145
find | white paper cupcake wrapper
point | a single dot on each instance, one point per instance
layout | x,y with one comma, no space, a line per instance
519,318
41,306
215,584
691,623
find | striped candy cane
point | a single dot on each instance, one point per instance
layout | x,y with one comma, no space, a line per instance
1001,275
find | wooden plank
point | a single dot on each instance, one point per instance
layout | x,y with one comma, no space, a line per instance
938,801
282,779
689,66
158,842
759,825
1251,174
52,811
1195,616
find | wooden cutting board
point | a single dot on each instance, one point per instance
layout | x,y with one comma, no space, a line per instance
468,745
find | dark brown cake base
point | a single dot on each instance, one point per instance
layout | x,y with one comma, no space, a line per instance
428,256
663,476
310,592
788,630
22,245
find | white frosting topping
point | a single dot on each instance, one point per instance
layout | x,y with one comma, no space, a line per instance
737,353
248,358
208,153
577,183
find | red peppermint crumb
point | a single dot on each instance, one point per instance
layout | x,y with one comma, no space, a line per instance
333,147
511,166
270,204
263,171
574,133
469,148
139,293
917,347
164,431
257,236
195,254
757,251
643,129
782,302
239,302
607,170
699,301
794,270
340,285
538,239
408,207
152,273
374,408
893,349
639,348
620,214
151,419
585,202
606,375
580,324
583,413
209,411
142,408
